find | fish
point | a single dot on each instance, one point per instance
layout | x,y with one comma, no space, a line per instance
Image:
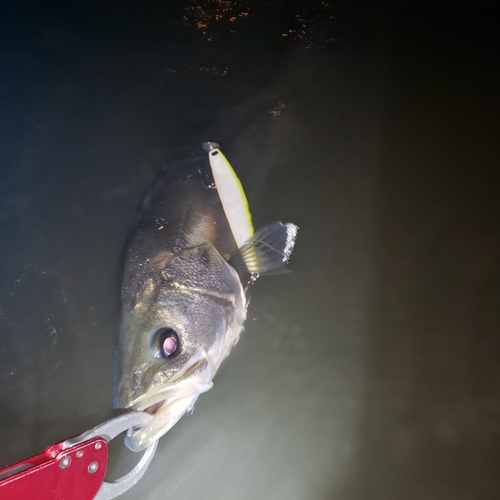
188,266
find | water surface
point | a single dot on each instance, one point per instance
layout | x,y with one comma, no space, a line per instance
368,372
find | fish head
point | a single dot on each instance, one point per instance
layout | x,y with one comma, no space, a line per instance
179,322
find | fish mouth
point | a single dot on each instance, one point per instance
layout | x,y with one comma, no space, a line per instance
170,402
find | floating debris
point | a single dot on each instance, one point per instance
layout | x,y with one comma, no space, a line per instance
276,111
206,13
315,25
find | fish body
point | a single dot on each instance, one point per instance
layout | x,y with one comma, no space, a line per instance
183,302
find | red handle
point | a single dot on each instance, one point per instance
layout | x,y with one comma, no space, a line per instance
75,473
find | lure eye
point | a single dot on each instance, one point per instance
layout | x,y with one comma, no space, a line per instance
165,343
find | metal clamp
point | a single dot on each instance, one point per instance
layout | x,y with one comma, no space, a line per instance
109,430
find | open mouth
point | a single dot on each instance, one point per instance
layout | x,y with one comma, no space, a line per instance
153,409
194,378
171,402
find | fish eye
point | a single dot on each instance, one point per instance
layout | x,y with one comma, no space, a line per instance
165,343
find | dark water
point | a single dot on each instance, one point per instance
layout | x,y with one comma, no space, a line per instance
371,371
